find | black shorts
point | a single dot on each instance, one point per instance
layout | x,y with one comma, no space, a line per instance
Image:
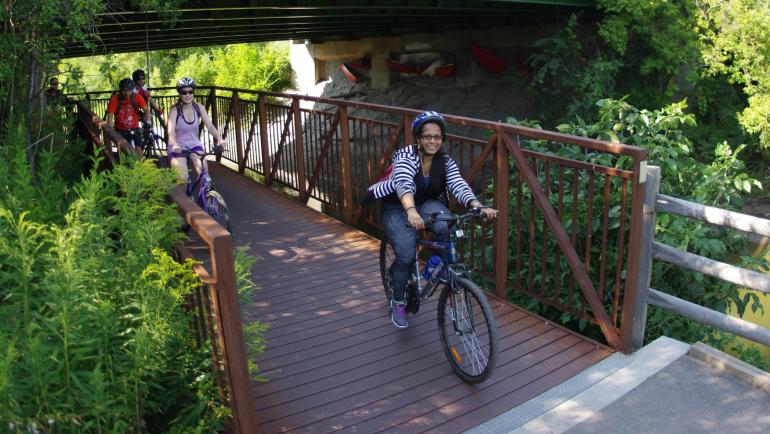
132,136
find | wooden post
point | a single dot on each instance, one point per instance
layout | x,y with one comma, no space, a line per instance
634,319
347,187
238,130
299,150
234,350
213,101
500,250
408,138
263,137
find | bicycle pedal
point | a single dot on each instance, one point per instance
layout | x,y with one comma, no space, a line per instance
413,307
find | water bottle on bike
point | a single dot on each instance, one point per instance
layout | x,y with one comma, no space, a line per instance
432,272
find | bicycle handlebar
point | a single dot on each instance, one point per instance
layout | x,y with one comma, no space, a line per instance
214,151
453,219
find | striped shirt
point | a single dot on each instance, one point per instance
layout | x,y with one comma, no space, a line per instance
406,164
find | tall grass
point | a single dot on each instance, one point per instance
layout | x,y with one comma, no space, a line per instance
93,336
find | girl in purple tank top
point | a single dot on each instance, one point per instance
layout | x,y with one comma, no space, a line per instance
184,121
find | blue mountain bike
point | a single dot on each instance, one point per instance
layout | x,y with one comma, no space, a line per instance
466,323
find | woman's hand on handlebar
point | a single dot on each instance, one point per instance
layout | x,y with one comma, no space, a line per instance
487,213
414,218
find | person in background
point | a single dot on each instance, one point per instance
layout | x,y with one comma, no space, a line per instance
139,88
124,111
53,95
184,120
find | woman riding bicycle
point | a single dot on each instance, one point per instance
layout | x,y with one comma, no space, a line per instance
183,133
422,179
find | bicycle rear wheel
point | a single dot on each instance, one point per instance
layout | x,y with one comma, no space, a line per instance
387,256
468,331
217,208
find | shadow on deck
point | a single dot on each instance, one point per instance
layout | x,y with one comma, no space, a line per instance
334,362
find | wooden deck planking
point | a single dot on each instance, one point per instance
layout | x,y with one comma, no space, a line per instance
334,362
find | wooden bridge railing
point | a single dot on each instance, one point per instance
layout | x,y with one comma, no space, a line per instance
568,231
650,249
215,304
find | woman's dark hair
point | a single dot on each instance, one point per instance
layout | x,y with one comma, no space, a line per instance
438,174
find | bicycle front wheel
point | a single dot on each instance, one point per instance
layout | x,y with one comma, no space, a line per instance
217,208
387,257
468,331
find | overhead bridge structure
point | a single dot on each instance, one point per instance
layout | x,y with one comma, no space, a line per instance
214,22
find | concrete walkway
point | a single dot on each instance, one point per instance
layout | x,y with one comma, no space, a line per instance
666,387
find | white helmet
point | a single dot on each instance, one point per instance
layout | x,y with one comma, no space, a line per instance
185,82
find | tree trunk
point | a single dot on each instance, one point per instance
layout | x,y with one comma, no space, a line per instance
32,92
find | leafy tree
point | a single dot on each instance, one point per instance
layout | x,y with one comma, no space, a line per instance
715,53
735,43
258,66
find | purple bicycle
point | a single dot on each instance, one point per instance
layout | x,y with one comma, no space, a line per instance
201,191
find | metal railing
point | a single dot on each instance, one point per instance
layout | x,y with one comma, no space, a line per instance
653,250
215,304
568,231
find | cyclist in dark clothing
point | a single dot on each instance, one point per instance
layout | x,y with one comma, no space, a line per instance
139,88
423,178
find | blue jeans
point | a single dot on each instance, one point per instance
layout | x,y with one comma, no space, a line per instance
403,239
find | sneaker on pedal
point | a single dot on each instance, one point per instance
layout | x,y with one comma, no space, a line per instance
398,314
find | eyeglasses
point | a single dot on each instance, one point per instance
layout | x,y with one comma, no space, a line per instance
433,137
186,92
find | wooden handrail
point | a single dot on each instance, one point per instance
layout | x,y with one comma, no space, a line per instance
226,310
656,202
710,214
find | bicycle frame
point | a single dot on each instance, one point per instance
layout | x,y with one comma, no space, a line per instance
448,253
202,184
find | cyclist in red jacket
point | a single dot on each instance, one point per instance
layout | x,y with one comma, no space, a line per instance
123,113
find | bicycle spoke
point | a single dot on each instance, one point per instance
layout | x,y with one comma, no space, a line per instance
468,331
467,334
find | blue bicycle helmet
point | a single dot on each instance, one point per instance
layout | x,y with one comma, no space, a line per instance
425,117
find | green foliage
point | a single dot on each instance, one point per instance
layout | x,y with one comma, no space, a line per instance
720,183
735,43
38,30
715,53
93,332
253,66
566,71
259,66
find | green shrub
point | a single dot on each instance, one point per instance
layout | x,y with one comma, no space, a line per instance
93,332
